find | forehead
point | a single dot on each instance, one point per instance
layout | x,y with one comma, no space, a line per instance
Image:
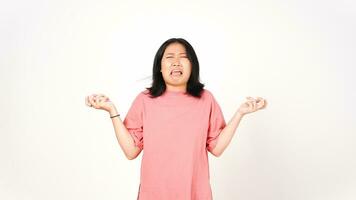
175,48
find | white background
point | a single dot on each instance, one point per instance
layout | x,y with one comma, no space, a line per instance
299,55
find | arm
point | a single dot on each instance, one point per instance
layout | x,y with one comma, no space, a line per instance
123,136
226,134
126,141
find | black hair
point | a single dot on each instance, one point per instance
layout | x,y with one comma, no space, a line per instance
158,87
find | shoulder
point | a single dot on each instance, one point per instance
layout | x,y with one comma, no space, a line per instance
139,98
142,95
209,97
207,94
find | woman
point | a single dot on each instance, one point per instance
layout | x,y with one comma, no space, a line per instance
176,121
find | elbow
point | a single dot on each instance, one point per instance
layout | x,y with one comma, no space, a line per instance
133,153
130,157
216,153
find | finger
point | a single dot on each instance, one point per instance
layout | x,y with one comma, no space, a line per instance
261,104
87,101
96,102
103,99
249,103
258,99
251,106
92,102
265,103
101,95
100,99
246,104
249,98
252,100
95,99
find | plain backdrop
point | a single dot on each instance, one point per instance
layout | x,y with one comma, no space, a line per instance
297,54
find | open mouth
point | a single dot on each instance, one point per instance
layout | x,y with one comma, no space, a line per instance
176,72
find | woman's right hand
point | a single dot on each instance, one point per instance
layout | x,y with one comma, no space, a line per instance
99,101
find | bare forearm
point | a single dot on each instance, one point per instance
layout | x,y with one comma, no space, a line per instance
123,136
227,134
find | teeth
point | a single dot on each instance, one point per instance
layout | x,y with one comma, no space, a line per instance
177,71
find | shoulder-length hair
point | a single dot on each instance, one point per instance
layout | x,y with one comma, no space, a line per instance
158,86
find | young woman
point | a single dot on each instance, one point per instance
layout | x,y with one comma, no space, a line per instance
176,122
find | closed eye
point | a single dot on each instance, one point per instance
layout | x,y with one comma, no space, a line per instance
181,57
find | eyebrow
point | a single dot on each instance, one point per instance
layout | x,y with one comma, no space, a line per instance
173,53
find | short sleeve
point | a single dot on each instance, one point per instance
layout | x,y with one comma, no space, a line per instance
134,121
216,124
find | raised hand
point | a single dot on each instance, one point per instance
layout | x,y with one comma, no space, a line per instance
252,105
99,101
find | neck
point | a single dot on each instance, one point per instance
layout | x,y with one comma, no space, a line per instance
176,88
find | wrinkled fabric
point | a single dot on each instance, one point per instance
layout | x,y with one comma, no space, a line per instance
175,132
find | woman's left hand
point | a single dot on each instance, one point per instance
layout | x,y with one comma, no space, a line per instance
252,105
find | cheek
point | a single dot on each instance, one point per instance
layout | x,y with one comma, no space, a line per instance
186,62
188,67
164,67
188,74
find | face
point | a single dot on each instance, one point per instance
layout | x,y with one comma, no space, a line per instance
175,67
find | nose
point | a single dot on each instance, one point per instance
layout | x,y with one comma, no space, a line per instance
176,62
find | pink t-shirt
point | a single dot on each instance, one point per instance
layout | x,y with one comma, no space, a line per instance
175,131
